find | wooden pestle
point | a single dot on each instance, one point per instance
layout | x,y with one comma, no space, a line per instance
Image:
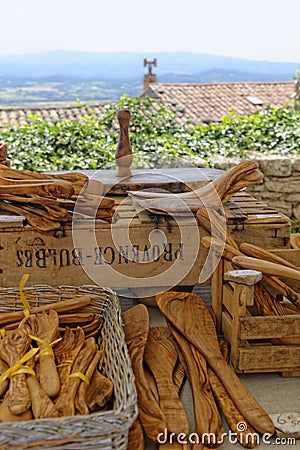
123,154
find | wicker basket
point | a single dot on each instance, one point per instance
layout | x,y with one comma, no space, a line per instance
104,430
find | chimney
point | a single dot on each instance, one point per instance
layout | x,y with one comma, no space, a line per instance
149,77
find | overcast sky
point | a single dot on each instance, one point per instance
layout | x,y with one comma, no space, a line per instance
254,29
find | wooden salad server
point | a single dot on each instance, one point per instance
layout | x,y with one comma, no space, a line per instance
41,404
65,402
56,188
123,154
188,313
161,357
67,350
178,377
211,195
13,347
99,391
207,417
77,179
136,329
81,406
44,327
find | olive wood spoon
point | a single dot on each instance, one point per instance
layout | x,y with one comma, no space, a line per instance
188,313
161,347
207,418
136,328
13,347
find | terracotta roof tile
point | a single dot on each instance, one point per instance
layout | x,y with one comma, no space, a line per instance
198,102
16,116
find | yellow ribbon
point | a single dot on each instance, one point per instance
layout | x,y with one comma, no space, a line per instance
18,367
47,350
68,363
26,305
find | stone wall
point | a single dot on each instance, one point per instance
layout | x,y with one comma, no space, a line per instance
280,187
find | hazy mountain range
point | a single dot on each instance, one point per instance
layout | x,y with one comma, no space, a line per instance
118,73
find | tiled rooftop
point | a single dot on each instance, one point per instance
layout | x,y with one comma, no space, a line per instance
16,116
210,101
199,103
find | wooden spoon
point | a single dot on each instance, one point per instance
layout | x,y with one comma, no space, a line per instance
65,402
207,417
13,347
161,347
67,350
44,326
136,328
188,313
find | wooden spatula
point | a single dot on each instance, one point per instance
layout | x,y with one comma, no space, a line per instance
207,418
136,328
188,313
161,348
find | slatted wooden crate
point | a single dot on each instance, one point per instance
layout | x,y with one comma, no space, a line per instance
252,336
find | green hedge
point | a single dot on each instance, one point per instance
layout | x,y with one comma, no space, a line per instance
156,138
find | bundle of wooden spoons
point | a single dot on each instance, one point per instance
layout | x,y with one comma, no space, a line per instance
47,201
211,195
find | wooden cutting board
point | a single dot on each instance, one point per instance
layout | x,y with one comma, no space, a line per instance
175,180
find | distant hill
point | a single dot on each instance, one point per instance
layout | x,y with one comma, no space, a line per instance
130,65
74,73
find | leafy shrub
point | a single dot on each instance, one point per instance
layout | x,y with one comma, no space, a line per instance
155,136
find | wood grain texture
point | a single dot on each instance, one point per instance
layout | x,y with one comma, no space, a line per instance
188,313
267,267
136,329
161,358
207,418
248,437
261,253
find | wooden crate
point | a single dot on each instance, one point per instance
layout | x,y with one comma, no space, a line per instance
250,335
103,250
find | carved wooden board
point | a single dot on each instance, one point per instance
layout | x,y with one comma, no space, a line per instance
173,180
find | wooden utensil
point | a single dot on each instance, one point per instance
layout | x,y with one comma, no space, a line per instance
65,402
283,289
42,405
99,391
81,406
247,437
178,377
59,306
67,350
136,436
44,327
261,253
161,347
207,418
267,267
13,347
123,154
36,221
211,195
188,313
136,328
